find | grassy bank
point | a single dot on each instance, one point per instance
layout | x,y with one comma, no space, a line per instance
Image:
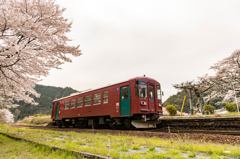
120,146
37,120
12,149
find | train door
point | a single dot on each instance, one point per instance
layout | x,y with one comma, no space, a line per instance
151,97
125,106
57,111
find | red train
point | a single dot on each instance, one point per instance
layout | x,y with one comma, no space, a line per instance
136,102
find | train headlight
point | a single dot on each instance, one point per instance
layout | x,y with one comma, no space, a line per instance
143,103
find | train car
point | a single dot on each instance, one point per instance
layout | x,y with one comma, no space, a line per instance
136,102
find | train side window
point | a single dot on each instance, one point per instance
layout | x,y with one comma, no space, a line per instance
79,102
73,103
105,97
66,105
87,101
96,99
124,93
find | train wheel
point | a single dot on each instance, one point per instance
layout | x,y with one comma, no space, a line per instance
59,124
127,123
66,125
74,125
112,125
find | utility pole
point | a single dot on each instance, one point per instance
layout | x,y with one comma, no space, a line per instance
190,100
189,87
183,103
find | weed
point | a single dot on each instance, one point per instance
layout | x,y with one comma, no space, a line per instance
151,149
191,154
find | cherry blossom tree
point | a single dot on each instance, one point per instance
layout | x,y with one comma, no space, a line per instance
226,78
225,82
6,116
32,41
228,71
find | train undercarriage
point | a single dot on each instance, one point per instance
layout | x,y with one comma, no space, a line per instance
137,121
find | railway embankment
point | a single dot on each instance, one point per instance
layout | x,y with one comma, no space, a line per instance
17,148
120,145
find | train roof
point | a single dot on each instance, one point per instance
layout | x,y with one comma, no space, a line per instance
89,90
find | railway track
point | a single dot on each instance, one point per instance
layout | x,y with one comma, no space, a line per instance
219,130
211,123
176,130
204,125
217,136
200,131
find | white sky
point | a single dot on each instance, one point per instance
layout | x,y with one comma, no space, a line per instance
171,41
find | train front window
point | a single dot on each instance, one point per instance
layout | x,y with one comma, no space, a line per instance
159,93
151,93
141,89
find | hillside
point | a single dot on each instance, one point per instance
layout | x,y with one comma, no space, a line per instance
47,95
177,100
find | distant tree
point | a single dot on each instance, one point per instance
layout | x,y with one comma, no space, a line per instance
231,107
208,109
172,109
32,41
44,106
177,100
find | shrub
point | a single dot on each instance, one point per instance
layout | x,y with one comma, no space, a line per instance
208,109
231,107
172,109
36,120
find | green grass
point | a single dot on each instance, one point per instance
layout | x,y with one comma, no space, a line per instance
122,146
12,149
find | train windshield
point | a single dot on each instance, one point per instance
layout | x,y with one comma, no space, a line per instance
141,89
159,93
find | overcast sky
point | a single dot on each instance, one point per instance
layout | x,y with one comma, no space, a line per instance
171,41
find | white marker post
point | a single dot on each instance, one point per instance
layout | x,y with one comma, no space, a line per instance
236,100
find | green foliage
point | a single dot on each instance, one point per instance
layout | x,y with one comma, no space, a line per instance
208,109
151,149
47,95
231,107
172,109
177,99
191,154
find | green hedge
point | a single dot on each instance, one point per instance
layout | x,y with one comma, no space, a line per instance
172,109
208,109
231,107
